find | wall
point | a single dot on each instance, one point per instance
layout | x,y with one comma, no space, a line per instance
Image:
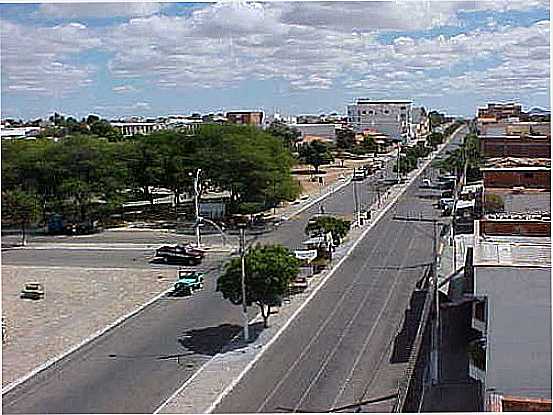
515,147
514,178
514,227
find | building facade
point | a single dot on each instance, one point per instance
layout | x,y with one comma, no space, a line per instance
515,146
390,117
500,111
128,129
254,118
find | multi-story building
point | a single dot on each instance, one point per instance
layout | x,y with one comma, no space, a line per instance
538,146
133,128
420,123
508,278
517,173
254,118
500,111
391,117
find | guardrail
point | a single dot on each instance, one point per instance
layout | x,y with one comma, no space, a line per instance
410,387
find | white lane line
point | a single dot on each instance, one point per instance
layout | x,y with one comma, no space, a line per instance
376,321
95,335
344,332
265,347
317,334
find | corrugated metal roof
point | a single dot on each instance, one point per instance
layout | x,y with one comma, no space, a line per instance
512,251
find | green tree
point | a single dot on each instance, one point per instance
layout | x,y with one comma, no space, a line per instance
339,228
269,271
493,203
345,138
315,154
19,207
288,135
103,128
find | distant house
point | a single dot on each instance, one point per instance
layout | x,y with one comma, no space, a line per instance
254,118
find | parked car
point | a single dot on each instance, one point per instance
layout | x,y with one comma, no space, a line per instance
445,201
188,282
33,290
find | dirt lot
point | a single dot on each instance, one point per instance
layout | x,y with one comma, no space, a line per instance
330,174
77,303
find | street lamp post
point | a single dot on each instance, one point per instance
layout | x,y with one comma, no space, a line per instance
242,227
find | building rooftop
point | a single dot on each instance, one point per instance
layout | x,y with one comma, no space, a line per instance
519,328
511,251
383,101
513,162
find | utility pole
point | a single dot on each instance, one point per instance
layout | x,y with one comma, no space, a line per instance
243,281
398,160
436,320
356,202
197,205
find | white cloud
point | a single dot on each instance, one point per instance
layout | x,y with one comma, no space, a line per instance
307,45
102,10
124,89
34,59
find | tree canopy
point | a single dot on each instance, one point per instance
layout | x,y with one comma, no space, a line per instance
269,270
86,176
315,154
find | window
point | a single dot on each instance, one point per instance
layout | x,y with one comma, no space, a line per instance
386,111
371,112
364,112
403,108
528,175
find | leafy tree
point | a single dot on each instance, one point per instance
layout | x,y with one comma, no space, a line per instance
339,228
269,271
435,139
288,135
315,154
103,128
91,119
345,138
20,208
493,203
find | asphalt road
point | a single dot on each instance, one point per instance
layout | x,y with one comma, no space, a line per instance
137,365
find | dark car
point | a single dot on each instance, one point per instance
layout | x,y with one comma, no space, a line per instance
185,254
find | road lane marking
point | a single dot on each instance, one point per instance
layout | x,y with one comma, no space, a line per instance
391,202
366,342
346,329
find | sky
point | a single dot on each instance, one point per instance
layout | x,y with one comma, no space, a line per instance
149,59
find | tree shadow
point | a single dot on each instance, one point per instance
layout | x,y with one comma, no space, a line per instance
403,342
213,340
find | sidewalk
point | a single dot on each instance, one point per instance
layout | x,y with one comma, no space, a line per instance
217,377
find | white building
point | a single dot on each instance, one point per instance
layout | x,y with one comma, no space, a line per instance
320,130
391,117
18,132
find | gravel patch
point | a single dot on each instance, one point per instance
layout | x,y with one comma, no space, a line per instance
77,303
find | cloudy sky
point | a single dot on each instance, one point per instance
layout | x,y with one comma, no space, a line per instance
119,59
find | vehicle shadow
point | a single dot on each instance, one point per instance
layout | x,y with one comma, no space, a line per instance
403,342
212,340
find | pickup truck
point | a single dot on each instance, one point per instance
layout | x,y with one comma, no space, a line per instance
188,282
